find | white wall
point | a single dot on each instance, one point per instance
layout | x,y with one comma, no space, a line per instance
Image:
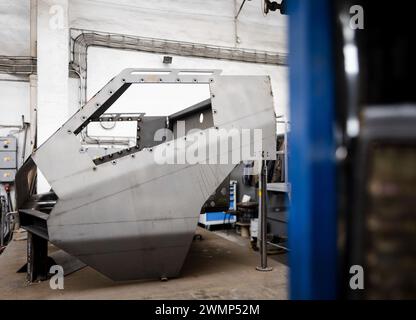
14,28
202,21
53,59
14,91
13,105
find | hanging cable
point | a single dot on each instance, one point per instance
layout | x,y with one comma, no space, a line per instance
241,8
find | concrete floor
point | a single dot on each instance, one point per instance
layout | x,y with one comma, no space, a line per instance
215,268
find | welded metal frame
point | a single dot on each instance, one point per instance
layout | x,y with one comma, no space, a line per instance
132,218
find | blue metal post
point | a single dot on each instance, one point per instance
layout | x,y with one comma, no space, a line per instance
312,220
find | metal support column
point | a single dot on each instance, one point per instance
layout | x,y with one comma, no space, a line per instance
263,217
2,223
312,220
37,258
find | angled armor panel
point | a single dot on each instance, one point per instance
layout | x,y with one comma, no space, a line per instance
128,216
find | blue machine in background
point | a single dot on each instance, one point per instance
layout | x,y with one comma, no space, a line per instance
209,219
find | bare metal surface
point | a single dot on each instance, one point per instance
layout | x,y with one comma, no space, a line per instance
133,218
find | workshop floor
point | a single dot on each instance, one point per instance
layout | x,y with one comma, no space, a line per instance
216,268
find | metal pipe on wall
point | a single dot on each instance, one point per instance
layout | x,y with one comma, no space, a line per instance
83,39
17,65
